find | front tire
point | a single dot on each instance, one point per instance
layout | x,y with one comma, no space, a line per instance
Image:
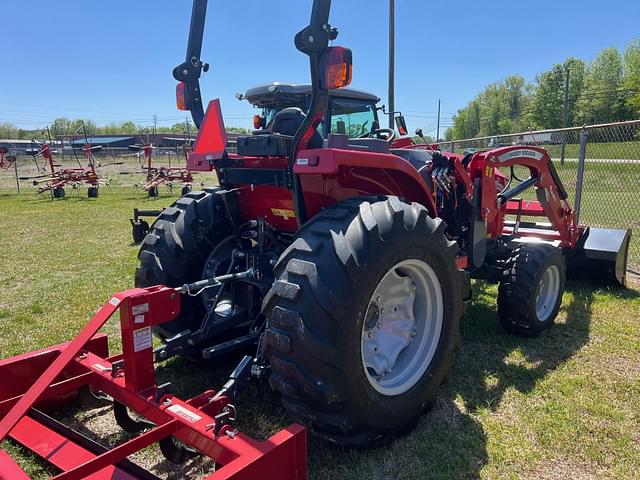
531,289
319,312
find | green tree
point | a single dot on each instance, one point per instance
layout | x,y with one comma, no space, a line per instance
500,108
602,99
547,101
632,77
8,130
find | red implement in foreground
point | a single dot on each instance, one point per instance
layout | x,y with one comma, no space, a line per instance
45,379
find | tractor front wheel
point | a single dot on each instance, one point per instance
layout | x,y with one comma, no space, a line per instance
363,319
531,289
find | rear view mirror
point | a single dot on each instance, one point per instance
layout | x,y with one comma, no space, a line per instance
401,125
335,68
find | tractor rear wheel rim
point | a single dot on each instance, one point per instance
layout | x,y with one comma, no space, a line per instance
402,327
548,292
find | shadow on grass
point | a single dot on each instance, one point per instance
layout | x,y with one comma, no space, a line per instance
492,361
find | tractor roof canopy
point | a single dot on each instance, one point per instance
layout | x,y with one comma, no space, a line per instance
282,95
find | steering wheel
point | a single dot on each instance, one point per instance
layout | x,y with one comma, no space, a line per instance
389,134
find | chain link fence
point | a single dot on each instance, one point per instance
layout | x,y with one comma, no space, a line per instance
599,166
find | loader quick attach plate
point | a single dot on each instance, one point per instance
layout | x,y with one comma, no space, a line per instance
50,378
601,253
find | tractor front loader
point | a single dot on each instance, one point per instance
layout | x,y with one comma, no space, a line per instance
342,265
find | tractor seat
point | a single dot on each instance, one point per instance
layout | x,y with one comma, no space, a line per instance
417,158
288,120
278,139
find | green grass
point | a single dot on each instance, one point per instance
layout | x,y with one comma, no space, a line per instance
613,150
566,404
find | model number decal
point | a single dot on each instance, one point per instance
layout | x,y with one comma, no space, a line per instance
142,339
284,213
188,415
520,153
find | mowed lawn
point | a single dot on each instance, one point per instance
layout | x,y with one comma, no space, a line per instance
564,405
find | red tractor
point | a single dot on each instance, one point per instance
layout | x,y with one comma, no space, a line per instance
347,261
343,264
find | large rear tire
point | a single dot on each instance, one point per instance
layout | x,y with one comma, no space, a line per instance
174,252
323,312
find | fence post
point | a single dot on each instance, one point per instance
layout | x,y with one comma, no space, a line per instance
15,168
565,114
584,135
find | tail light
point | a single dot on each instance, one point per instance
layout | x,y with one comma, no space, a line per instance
336,63
181,100
259,122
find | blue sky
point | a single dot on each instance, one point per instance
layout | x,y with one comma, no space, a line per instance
112,60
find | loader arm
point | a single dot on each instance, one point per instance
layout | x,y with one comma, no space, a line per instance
189,72
551,195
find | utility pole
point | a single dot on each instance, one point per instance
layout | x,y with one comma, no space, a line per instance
392,47
155,123
565,118
438,128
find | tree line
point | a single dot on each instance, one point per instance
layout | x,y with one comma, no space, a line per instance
604,90
64,126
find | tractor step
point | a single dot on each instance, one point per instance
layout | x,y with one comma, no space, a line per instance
225,348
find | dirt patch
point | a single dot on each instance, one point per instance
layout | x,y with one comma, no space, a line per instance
97,422
633,278
568,469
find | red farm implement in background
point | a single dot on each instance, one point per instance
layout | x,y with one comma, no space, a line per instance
157,176
7,159
58,178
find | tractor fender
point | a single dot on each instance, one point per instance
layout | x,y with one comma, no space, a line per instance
330,175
